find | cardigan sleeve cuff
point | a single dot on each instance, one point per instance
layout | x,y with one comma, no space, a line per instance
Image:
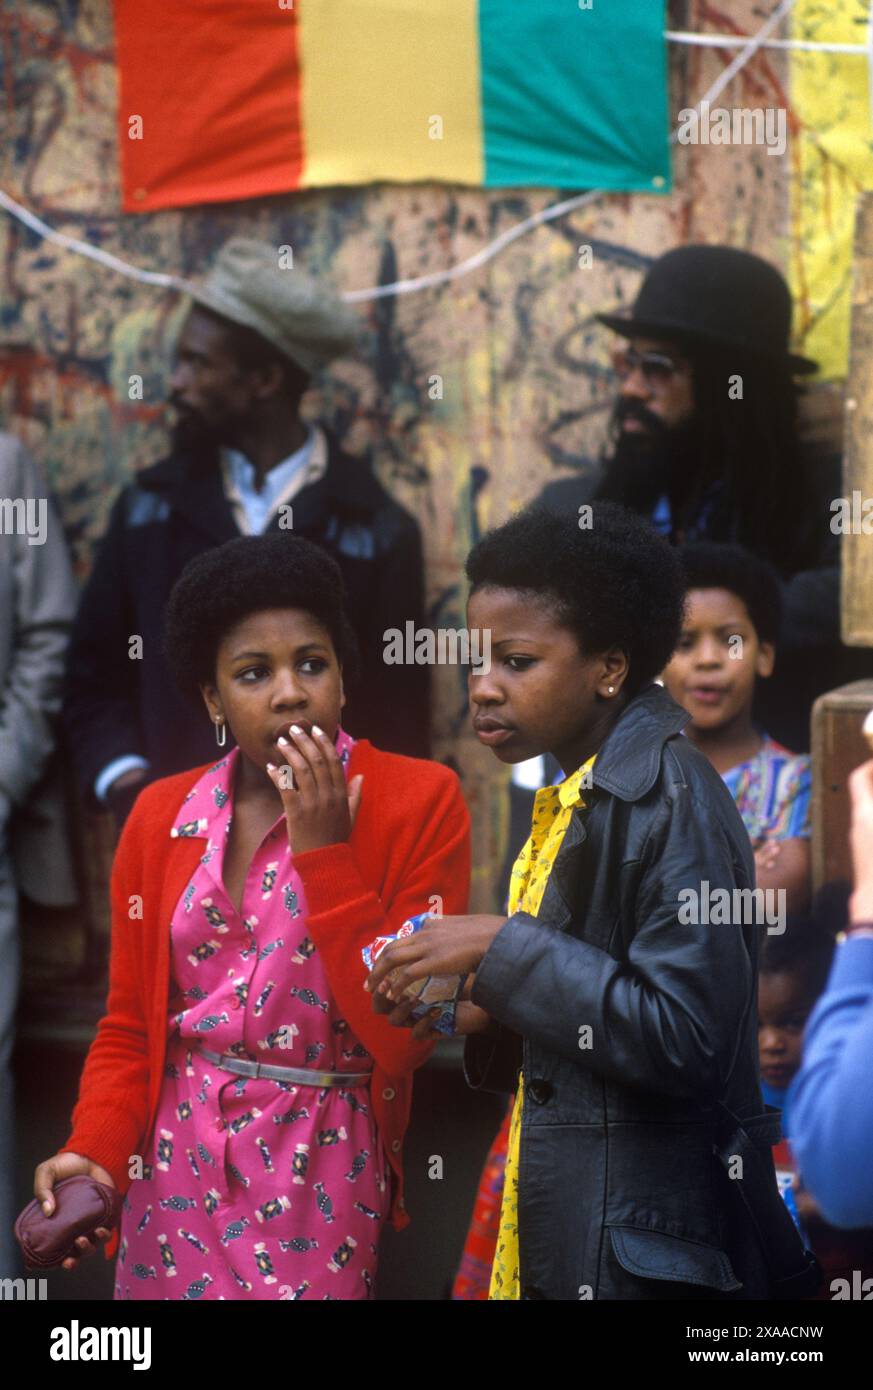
330,877
117,1167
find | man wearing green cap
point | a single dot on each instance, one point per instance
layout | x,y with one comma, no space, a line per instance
242,462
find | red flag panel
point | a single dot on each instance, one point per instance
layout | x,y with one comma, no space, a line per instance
215,85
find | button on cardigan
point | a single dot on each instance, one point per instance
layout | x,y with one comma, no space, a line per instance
410,842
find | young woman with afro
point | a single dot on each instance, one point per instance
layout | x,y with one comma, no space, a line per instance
625,1024
240,1092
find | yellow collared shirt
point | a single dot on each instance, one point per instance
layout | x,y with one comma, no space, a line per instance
553,807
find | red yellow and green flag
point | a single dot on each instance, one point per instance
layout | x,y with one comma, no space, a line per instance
230,99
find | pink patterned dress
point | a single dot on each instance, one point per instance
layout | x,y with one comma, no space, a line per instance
252,1188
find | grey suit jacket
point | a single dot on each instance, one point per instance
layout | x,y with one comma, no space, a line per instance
38,599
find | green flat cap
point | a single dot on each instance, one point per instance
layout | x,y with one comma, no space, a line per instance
304,318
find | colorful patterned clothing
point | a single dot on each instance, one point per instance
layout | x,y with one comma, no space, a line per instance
252,1188
474,1271
773,793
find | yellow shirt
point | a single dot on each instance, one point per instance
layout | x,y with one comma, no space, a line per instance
553,807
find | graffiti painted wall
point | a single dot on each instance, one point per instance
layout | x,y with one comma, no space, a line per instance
524,366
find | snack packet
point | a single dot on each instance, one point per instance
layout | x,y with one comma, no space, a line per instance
442,990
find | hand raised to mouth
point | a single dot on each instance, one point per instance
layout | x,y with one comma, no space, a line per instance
320,806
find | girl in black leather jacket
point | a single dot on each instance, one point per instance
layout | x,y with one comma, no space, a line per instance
620,992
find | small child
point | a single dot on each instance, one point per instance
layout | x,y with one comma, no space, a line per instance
793,972
728,643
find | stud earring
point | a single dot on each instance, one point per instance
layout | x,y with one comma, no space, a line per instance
220,733
610,689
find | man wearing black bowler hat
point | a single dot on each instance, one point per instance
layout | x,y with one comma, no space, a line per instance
705,425
704,441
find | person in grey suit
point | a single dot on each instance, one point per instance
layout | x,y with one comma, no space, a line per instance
37,606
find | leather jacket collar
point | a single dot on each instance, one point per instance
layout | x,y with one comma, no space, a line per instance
629,760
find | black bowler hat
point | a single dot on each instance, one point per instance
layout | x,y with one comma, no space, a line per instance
715,295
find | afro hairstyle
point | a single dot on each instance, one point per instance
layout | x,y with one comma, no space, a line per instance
616,583
710,565
247,575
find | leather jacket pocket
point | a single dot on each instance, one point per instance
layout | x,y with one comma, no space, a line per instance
649,1254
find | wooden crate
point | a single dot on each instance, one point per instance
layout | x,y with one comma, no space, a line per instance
838,746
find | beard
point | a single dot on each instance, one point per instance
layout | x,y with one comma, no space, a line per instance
192,434
642,467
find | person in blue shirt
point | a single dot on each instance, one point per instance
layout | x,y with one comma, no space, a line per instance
793,971
830,1102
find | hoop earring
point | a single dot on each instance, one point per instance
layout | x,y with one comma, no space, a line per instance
220,732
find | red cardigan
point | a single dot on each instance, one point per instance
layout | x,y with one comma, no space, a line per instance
411,840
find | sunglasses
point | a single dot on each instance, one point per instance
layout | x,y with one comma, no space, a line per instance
656,367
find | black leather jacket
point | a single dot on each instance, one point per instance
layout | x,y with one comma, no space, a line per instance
621,1194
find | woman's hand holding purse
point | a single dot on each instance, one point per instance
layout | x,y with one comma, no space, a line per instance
75,1206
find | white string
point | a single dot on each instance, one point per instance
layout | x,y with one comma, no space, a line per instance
748,48
441,277
84,248
748,51
737,41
